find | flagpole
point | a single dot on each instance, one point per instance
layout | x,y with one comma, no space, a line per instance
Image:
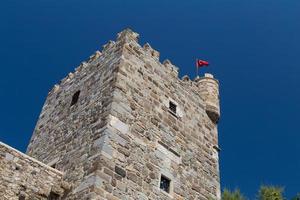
197,70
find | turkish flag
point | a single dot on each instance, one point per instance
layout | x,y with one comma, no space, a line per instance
201,63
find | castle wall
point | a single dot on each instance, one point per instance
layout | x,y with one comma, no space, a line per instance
120,137
149,141
22,177
67,136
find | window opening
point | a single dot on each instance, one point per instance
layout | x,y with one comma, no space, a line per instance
53,196
172,107
75,98
165,183
53,166
21,197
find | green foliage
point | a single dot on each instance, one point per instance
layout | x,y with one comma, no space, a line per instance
235,195
297,197
270,193
264,193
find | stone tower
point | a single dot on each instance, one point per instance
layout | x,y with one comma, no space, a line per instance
124,126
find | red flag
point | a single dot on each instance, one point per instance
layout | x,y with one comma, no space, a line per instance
201,63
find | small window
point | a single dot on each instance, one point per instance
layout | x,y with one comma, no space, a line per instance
75,98
165,184
53,196
53,166
21,197
172,107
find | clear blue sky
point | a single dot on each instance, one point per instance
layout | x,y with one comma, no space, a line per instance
253,47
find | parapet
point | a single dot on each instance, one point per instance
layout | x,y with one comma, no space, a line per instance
24,177
150,51
208,88
127,44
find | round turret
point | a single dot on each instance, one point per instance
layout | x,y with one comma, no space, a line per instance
209,91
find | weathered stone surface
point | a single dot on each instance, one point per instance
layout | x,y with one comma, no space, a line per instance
120,171
120,137
22,177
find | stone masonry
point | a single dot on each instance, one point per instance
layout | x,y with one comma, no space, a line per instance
23,177
122,126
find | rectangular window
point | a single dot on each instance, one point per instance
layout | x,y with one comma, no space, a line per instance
172,107
165,183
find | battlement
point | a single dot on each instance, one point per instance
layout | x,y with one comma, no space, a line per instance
126,39
127,45
123,123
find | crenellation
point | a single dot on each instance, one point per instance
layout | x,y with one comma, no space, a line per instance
81,67
56,88
94,57
123,122
186,78
151,52
172,68
127,36
108,47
